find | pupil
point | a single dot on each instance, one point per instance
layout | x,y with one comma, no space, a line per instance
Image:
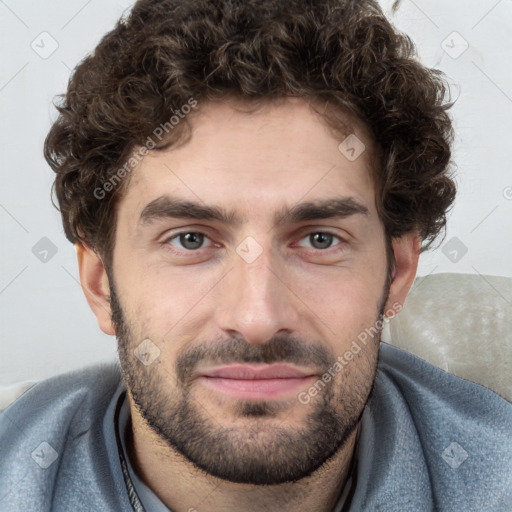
321,240
191,240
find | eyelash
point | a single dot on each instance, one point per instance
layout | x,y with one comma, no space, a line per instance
168,245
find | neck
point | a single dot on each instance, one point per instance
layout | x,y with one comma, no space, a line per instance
184,488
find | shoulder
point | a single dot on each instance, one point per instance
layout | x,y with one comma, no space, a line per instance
442,406
423,384
86,389
53,430
433,441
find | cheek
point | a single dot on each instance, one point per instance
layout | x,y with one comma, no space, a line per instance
347,305
162,300
343,293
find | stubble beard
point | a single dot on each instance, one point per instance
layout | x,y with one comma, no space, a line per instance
263,451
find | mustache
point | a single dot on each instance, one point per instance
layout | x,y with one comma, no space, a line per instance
279,349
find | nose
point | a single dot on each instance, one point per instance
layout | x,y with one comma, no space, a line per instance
256,301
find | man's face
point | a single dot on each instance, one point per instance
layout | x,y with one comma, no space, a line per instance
246,311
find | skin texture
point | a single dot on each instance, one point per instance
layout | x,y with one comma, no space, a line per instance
303,300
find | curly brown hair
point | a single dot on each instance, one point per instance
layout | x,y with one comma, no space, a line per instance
344,54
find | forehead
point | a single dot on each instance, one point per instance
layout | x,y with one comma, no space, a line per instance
275,155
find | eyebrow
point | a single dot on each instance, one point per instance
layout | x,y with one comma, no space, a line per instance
165,207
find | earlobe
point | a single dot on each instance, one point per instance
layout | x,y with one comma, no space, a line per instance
407,251
94,281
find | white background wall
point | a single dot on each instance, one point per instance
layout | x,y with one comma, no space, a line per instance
46,326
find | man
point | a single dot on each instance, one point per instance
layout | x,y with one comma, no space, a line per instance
249,185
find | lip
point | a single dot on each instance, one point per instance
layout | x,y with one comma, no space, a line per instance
262,382
260,372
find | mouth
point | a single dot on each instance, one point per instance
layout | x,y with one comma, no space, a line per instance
261,382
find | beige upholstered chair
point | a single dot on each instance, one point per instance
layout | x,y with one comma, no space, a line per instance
461,323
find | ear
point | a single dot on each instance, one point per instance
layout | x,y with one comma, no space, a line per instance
407,252
94,280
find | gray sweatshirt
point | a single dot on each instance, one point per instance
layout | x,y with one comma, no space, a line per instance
429,441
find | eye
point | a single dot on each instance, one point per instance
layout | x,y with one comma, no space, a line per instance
189,240
320,240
